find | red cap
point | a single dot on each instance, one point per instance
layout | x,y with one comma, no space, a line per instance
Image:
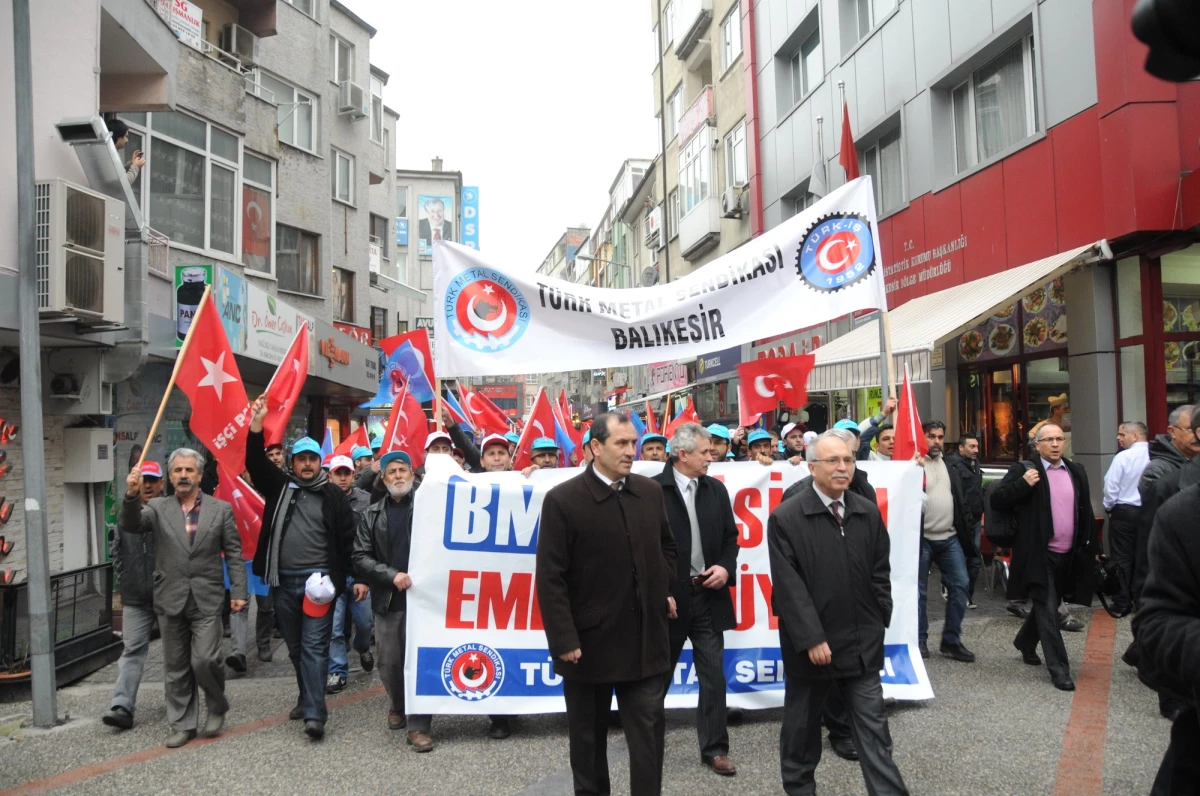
152,469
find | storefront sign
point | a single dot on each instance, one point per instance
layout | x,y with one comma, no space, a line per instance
357,365
666,376
923,266
425,323
359,333
402,232
336,356
271,325
718,363
190,281
230,292
499,391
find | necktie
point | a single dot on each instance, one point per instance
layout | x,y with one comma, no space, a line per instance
836,508
689,502
616,485
437,234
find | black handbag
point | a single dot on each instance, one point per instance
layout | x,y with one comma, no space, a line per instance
1111,583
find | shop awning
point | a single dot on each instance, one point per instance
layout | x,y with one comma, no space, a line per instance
852,360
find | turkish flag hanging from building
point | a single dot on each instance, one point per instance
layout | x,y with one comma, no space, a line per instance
284,390
910,438
407,428
768,381
209,376
849,154
482,413
248,507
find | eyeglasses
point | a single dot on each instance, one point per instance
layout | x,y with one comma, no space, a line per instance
1053,440
834,461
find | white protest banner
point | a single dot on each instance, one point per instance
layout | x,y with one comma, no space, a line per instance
493,319
475,642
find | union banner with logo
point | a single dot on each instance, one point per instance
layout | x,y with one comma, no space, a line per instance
494,319
475,642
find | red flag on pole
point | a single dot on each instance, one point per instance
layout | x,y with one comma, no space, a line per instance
284,390
248,507
357,439
910,439
482,412
420,342
768,381
407,428
849,154
688,415
210,378
540,424
651,420
746,419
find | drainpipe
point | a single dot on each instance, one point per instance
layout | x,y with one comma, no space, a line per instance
662,135
751,72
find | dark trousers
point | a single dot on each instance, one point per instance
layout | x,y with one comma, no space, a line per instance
800,734
640,703
389,643
708,656
192,662
1179,773
1042,622
1122,542
307,639
836,717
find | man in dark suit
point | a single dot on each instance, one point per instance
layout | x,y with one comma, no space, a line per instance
1053,554
701,515
605,564
190,531
434,226
831,573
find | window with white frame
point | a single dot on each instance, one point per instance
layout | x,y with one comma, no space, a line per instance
731,36
860,17
674,111
806,67
304,5
735,156
297,258
882,160
673,214
695,170
341,176
668,24
379,234
996,106
192,174
343,295
376,109
341,60
258,217
296,117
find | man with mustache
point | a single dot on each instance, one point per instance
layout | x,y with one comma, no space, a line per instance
307,527
191,532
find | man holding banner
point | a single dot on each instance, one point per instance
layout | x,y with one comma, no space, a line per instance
605,562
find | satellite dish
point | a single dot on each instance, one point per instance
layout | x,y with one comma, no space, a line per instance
649,276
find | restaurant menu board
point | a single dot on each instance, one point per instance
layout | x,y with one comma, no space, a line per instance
1036,323
1181,314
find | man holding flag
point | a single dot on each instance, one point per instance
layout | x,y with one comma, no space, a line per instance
308,527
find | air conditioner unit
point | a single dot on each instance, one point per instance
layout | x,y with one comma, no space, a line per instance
654,221
731,203
240,43
79,253
353,101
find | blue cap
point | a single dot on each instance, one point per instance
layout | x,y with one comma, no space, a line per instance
654,438
394,456
780,446
587,436
847,424
730,455
306,445
544,444
512,437
376,443
361,452
720,432
758,435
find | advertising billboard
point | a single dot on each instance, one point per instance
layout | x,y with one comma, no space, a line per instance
435,221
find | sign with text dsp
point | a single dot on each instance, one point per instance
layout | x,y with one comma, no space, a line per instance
472,566
470,217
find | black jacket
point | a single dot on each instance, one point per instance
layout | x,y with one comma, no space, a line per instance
1030,505
719,537
372,554
970,478
830,584
1160,481
1167,626
339,520
859,485
133,561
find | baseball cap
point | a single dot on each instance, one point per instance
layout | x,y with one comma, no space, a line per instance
392,456
847,424
341,461
788,429
719,431
512,437
654,438
318,595
306,445
361,452
544,444
587,436
494,439
809,436
273,446
757,435
438,436
151,469
376,443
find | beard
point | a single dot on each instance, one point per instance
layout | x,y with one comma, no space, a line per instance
399,490
935,453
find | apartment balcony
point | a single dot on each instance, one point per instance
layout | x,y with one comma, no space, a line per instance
692,18
139,55
700,113
700,229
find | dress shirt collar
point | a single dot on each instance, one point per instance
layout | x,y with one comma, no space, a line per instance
682,480
605,480
1062,464
828,501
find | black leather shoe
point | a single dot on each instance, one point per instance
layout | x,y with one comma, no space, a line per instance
1065,685
844,748
1029,656
499,729
958,652
236,662
1020,612
924,649
314,729
1132,654
118,717
1170,709
296,714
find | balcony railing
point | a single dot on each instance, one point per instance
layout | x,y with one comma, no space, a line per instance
699,113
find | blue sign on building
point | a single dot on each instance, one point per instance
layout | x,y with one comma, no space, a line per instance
718,363
402,232
470,217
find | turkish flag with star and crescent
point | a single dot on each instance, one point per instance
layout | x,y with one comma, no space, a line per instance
540,424
768,381
407,428
482,413
284,390
209,376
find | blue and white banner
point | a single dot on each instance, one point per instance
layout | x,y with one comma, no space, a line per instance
475,642
470,217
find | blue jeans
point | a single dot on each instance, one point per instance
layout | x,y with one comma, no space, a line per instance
948,554
307,639
364,623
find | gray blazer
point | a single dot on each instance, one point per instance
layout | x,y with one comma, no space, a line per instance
181,568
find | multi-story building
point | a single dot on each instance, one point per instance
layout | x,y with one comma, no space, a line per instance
266,173
1007,141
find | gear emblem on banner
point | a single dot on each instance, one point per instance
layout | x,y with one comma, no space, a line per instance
472,672
836,252
485,310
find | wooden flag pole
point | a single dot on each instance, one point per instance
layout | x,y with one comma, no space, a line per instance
437,404
885,333
187,342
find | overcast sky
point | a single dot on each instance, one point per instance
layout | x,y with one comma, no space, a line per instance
538,103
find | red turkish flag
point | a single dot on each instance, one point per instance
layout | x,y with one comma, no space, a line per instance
651,420
540,424
768,381
357,439
209,376
687,415
482,413
284,390
407,428
910,438
849,154
746,419
248,507
420,342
